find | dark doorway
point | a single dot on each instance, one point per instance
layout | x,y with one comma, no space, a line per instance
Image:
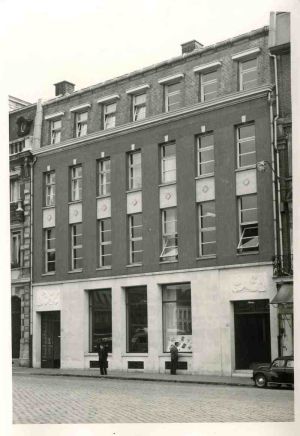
15,326
50,329
252,333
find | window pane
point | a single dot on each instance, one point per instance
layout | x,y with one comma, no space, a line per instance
246,131
173,88
137,321
206,141
249,202
252,63
140,99
100,319
206,155
247,159
209,76
209,249
210,87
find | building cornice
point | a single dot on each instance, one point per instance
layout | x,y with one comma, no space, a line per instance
237,97
157,273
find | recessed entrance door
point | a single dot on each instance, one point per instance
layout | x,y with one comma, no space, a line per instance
50,329
252,333
15,326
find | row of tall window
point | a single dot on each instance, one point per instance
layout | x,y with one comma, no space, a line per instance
172,100
246,156
177,318
207,241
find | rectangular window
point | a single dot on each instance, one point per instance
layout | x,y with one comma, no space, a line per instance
246,154
50,250
15,249
135,170
105,254
248,74
109,115
209,85
207,228
172,96
177,317
55,131
137,320
81,119
135,238
168,163
139,107
76,183
76,246
15,192
248,224
49,181
100,319
205,154
169,235
104,177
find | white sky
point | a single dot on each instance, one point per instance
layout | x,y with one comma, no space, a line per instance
89,41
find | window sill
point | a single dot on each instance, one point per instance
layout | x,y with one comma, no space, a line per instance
167,184
134,190
205,176
180,354
208,256
94,354
103,268
75,201
162,262
248,167
132,265
15,267
134,355
73,271
103,196
48,207
52,273
248,254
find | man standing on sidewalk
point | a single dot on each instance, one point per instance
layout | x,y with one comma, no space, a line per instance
174,357
102,353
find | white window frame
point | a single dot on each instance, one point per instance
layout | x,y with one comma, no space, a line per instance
167,237
49,250
134,170
205,229
55,131
200,150
76,183
103,172
81,123
249,70
204,84
50,188
137,107
164,159
103,243
15,190
75,247
16,235
241,141
109,115
132,239
245,226
169,94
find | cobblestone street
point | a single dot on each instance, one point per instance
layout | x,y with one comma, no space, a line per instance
57,400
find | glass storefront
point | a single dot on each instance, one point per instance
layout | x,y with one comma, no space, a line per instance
177,317
100,319
137,320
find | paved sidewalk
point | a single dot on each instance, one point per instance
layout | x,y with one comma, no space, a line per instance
179,378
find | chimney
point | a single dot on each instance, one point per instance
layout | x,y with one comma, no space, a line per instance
188,47
64,88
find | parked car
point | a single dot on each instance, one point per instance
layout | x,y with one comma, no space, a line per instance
279,372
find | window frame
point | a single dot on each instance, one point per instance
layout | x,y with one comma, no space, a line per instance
49,188
244,140
134,180
48,251
251,69
132,240
94,308
136,106
76,183
103,243
104,187
15,190
168,94
204,84
76,247
247,225
137,305
166,237
109,115
163,159
200,150
79,124
55,132
202,230
16,263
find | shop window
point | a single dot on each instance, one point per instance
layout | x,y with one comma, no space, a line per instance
100,319
137,320
207,228
169,235
246,153
205,154
134,170
76,183
168,163
105,242
49,181
177,317
248,224
135,238
104,178
49,250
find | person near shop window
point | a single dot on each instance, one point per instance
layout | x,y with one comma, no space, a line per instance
174,357
102,353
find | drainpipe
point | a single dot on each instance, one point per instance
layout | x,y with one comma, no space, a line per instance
273,175
280,251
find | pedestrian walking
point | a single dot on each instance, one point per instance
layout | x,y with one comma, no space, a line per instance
174,357
102,353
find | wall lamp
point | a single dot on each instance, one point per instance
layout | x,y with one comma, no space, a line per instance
262,166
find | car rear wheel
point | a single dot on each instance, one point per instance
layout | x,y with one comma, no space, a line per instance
260,381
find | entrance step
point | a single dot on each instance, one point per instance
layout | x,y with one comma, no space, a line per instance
242,373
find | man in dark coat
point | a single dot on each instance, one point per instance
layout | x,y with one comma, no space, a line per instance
174,357
102,353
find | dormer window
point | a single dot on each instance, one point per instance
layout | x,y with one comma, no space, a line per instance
208,74
247,68
109,110
55,128
172,92
81,119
